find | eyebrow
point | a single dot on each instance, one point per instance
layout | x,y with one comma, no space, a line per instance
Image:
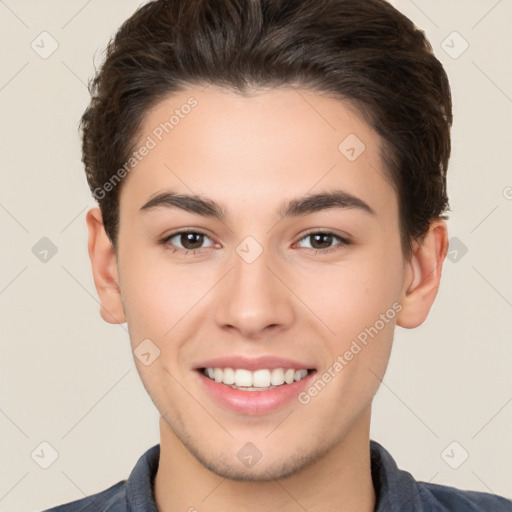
304,205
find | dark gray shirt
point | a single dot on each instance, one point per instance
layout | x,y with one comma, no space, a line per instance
396,491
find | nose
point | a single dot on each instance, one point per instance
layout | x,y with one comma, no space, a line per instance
253,299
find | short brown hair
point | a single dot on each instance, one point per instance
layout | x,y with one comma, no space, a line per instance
363,51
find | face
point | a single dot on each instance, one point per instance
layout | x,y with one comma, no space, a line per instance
288,249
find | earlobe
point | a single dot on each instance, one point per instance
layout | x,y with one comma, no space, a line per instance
423,275
104,268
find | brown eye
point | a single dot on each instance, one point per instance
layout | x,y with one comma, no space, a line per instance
321,241
191,240
186,241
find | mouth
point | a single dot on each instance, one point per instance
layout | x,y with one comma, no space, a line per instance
259,380
254,392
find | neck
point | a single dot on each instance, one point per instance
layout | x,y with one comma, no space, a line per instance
338,480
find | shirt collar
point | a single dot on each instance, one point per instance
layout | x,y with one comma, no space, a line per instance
395,489
139,487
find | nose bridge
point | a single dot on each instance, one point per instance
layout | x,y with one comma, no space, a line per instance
252,297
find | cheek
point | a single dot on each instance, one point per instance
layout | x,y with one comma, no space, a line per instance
157,294
352,295
367,328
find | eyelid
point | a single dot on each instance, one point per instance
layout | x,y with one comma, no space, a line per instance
343,241
326,231
165,240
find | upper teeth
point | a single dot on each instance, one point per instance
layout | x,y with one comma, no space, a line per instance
257,379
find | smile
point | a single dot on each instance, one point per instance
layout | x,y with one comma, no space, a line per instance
258,380
253,393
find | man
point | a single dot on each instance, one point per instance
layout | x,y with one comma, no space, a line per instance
271,180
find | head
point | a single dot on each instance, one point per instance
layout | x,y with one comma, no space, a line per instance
255,114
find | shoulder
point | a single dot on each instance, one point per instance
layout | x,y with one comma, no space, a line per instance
397,490
444,497
132,494
112,499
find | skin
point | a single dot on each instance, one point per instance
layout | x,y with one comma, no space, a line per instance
251,154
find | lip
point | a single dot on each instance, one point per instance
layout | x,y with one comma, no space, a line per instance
253,363
254,403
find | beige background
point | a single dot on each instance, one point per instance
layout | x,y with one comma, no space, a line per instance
68,379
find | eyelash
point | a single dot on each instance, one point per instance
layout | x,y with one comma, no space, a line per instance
166,242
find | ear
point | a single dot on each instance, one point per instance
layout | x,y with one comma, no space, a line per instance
104,269
423,275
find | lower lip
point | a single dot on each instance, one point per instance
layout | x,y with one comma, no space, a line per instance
254,403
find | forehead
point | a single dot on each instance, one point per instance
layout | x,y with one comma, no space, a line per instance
265,146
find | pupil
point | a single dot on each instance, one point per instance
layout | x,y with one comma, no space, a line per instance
327,239
189,238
